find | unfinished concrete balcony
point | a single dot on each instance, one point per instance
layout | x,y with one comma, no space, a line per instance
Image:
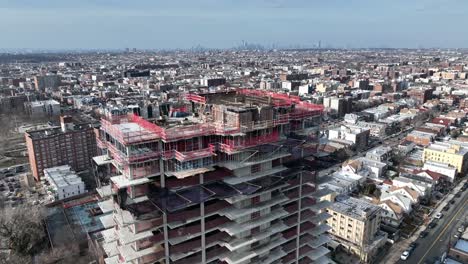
128,254
138,217
306,254
212,254
242,257
235,213
318,241
272,257
253,158
292,220
185,233
194,246
317,253
320,229
319,218
182,170
239,143
125,236
235,243
292,205
184,217
195,154
255,176
142,170
121,182
233,228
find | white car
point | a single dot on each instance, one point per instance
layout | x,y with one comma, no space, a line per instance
438,216
405,255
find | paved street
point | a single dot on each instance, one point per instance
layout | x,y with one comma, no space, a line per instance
435,243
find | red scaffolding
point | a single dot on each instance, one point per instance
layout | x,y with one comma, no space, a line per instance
130,137
232,145
196,154
281,99
195,98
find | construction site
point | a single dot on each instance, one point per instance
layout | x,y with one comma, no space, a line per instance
224,183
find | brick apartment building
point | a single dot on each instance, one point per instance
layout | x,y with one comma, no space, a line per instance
69,144
421,95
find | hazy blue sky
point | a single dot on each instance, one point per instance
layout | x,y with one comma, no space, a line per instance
57,24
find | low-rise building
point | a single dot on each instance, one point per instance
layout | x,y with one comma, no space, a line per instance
358,136
392,214
445,169
43,108
63,182
380,153
419,184
365,167
377,130
450,154
420,138
406,147
403,196
343,182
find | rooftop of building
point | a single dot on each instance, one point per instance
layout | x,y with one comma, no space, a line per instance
380,150
72,221
462,245
448,148
45,102
355,208
48,132
62,176
421,134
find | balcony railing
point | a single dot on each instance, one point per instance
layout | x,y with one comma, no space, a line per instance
195,154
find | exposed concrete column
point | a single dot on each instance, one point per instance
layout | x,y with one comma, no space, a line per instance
202,223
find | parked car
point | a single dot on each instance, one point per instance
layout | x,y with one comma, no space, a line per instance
432,225
446,208
405,255
423,234
438,216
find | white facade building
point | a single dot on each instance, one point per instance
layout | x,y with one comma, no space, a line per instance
441,168
43,108
64,182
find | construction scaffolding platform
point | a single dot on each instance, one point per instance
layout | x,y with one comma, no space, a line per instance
128,132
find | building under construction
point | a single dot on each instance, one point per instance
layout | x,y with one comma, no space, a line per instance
224,184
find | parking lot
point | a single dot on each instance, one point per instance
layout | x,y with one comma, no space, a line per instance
13,186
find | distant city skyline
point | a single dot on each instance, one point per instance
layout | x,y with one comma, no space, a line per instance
146,24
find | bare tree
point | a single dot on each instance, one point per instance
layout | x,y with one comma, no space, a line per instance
14,259
69,253
23,230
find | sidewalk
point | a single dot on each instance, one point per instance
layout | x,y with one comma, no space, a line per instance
398,248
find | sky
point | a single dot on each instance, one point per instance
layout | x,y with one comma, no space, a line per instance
155,24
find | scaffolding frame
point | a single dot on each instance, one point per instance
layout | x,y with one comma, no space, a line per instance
195,98
126,138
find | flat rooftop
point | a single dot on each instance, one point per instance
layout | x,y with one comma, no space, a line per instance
49,132
355,208
62,176
447,147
